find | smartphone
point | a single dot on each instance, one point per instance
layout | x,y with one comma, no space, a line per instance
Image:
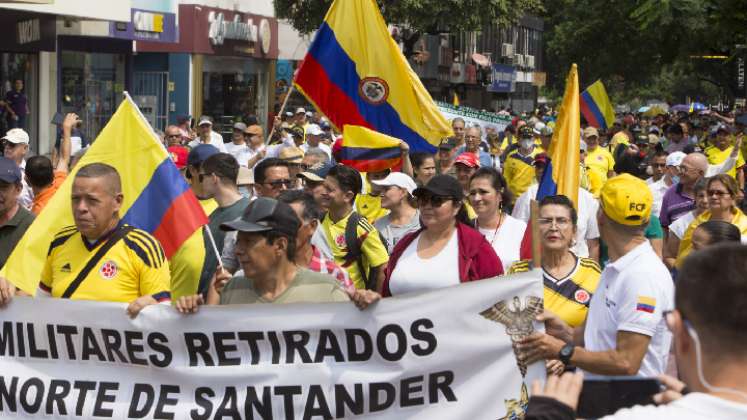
603,397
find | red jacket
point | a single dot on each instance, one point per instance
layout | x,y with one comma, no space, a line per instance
477,259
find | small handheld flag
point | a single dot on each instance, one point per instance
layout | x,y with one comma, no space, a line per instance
596,106
368,151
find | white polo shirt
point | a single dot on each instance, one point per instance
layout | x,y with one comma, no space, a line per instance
633,293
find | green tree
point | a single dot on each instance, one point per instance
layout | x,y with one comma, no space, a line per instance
417,15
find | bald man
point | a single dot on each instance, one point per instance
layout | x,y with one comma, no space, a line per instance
680,197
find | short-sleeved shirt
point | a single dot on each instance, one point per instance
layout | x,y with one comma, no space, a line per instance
506,240
373,251
217,217
369,206
241,152
632,295
12,231
135,266
18,102
600,161
393,233
569,297
306,287
519,171
41,199
215,140
716,156
674,204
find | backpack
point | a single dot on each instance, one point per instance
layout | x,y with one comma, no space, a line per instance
355,253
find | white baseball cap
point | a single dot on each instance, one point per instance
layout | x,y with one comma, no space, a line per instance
300,111
675,158
314,130
397,179
204,121
17,136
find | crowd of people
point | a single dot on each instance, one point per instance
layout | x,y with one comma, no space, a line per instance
288,223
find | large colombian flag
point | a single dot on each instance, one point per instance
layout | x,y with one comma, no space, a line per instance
596,106
356,75
561,176
157,199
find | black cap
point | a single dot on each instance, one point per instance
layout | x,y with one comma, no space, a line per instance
448,144
441,185
263,215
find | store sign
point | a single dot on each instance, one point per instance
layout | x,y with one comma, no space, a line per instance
265,36
28,31
147,22
502,79
235,29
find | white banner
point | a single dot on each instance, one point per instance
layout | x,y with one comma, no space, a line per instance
473,117
445,354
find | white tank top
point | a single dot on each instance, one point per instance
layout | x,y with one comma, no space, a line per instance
415,274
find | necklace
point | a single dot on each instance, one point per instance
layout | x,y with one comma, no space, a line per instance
495,232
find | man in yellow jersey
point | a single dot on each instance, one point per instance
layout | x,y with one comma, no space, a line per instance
518,168
721,150
598,159
100,258
356,247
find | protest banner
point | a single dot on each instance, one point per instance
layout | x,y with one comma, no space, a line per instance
486,120
441,354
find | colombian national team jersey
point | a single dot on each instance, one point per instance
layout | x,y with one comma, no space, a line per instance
373,250
519,171
135,266
569,297
717,156
600,161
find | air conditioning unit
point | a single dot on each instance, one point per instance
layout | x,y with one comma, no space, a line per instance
529,59
507,50
519,60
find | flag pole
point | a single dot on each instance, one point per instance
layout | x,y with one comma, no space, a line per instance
212,243
282,109
536,246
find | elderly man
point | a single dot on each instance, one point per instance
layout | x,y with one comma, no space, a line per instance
266,248
16,147
207,135
680,198
100,258
472,140
314,135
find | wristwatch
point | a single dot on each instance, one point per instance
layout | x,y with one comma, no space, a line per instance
565,354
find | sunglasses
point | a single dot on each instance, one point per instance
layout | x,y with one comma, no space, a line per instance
435,201
278,183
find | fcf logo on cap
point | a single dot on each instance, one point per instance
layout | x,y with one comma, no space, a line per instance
637,206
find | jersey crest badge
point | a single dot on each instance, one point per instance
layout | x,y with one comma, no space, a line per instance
581,296
109,270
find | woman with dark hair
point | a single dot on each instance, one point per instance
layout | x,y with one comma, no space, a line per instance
570,281
713,232
445,251
489,197
722,191
424,167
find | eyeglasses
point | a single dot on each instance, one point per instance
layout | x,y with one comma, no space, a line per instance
201,177
717,193
434,201
279,183
560,222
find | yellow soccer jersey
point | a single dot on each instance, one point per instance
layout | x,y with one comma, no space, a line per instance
600,161
369,206
135,266
519,171
373,250
568,298
717,156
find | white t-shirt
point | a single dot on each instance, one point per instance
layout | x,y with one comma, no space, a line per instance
633,292
679,226
693,406
323,147
507,240
215,139
658,188
241,152
587,217
415,274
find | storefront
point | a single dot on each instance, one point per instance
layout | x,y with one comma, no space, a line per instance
19,60
232,61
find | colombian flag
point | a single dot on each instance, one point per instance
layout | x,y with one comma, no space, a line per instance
356,75
368,151
646,304
156,197
596,106
561,176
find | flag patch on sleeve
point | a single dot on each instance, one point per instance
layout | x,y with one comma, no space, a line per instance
646,304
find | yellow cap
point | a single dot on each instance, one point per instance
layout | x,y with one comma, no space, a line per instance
626,200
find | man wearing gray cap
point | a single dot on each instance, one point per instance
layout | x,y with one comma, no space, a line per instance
238,147
207,135
266,248
14,219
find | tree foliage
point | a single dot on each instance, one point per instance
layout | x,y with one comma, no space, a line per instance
419,15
